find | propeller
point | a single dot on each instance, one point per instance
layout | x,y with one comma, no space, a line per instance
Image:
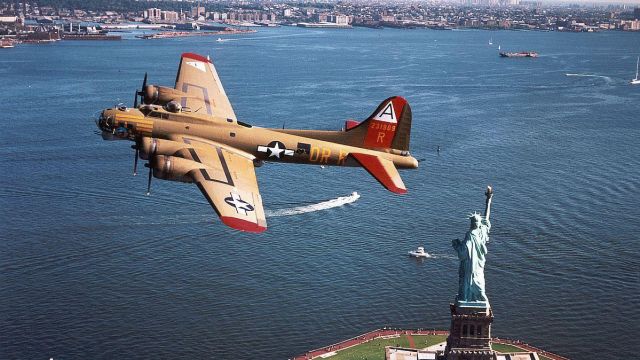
141,91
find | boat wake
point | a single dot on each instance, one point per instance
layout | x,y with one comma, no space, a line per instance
433,256
324,205
606,78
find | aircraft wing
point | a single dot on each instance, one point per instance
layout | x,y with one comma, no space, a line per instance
228,182
199,79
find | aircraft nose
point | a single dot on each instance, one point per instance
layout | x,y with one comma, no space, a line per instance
96,116
105,120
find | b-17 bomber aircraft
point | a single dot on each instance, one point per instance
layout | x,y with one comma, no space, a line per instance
190,133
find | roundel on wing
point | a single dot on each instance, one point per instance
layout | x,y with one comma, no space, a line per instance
237,203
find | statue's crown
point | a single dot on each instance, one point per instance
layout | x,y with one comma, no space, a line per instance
475,215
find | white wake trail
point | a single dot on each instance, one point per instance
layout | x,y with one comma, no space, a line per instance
606,78
340,201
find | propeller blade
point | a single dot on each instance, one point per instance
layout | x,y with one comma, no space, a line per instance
149,165
135,100
135,163
149,181
141,91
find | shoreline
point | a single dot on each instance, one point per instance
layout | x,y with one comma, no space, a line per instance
180,34
384,332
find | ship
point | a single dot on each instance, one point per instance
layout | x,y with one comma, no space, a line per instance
531,54
6,43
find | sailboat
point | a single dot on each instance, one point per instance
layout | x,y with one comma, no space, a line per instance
491,41
636,81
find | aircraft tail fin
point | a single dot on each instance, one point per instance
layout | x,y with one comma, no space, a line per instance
388,127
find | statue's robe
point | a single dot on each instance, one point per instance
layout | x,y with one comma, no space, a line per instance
471,252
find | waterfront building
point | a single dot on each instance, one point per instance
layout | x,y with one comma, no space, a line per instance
170,16
188,26
197,11
341,19
8,19
153,14
632,25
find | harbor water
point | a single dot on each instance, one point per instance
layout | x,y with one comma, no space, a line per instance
90,267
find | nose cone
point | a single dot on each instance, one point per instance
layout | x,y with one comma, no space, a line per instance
96,117
106,122
101,121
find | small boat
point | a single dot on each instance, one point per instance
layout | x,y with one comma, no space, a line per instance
491,41
531,54
419,253
636,81
219,40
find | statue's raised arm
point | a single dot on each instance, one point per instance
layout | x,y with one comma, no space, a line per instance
487,208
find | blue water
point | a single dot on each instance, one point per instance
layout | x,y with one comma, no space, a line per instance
92,268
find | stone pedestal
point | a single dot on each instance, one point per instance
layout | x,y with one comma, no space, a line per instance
470,333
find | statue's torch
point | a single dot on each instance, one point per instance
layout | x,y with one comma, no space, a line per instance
487,208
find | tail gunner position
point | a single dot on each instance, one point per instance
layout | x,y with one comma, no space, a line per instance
189,133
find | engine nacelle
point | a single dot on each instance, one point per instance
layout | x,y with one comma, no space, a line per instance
153,146
161,95
173,168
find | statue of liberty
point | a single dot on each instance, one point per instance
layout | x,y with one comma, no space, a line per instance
471,252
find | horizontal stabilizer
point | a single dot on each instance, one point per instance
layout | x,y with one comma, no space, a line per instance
383,170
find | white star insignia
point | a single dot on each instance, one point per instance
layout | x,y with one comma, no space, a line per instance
275,151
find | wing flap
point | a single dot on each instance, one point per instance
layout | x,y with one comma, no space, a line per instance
382,170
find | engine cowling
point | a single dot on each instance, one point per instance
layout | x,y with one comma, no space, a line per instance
173,168
161,95
153,146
